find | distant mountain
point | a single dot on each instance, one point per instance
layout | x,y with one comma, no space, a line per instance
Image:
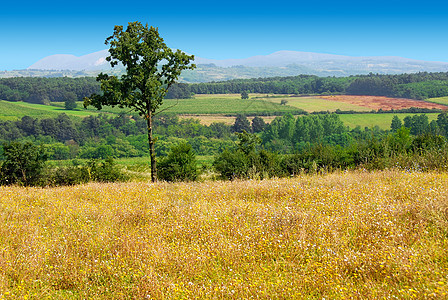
276,59
281,63
92,61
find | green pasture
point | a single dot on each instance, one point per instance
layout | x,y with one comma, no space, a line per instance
440,100
216,105
205,104
222,106
92,110
17,110
381,120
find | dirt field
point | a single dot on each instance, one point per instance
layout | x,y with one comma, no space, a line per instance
385,103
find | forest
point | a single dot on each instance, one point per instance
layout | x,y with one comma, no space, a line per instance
249,148
413,86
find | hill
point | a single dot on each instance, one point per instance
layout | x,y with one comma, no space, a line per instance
281,63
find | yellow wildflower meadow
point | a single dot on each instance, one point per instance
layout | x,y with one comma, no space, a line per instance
356,235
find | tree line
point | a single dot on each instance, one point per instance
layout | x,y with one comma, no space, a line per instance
246,149
421,85
46,90
41,90
414,86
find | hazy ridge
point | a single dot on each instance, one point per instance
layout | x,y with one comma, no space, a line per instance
281,63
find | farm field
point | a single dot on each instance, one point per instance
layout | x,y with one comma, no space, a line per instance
218,104
16,110
351,120
216,108
355,234
440,100
381,120
385,103
311,104
224,105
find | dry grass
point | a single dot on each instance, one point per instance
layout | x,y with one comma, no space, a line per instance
209,119
348,235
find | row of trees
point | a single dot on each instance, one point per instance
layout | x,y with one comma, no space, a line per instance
64,89
287,134
121,136
24,163
415,86
125,136
46,90
394,150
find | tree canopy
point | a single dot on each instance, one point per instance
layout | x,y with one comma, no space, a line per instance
151,68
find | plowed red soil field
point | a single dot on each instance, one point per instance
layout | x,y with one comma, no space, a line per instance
385,103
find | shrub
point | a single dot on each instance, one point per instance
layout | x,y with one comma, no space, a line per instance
106,171
247,161
231,164
23,165
70,175
179,165
93,170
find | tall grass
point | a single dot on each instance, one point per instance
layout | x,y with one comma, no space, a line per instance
344,235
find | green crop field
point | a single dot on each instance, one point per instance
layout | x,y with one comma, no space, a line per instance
371,120
209,104
217,106
16,110
440,100
202,105
351,120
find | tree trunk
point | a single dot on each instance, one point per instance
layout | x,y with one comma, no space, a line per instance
152,153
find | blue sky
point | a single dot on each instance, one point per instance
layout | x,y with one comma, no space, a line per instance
228,29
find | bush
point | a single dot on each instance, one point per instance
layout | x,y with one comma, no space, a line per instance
231,164
106,171
179,165
94,170
247,161
23,165
70,175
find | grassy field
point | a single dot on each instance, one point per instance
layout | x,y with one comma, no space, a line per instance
17,110
216,104
351,120
353,235
202,104
210,105
441,100
381,120
213,108
219,104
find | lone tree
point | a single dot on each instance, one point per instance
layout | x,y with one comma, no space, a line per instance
241,124
396,123
151,68
70,101
244,95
